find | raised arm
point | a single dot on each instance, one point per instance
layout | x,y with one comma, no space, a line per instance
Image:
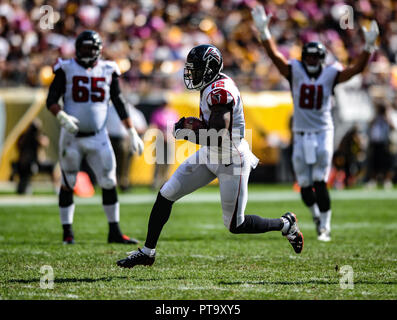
261,22
370,38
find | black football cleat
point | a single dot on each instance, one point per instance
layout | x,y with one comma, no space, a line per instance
121,238
136,258
69,239
294,236
68,235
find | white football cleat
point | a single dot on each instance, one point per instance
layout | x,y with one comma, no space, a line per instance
324,236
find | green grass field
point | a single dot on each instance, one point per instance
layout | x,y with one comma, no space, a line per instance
197,258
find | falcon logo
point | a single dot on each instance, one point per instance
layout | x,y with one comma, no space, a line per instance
212,53
218,96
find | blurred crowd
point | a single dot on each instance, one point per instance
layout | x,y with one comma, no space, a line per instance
151,38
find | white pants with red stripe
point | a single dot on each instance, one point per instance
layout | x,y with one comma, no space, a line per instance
197,171
312,156
98,152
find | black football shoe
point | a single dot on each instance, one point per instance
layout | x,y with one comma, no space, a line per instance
294,236
136,258
68,238
121,238
68,235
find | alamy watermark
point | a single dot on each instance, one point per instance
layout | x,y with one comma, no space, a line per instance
47,280
347,279
346,20
48,18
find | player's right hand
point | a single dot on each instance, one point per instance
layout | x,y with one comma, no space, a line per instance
261,21
68,122
136,142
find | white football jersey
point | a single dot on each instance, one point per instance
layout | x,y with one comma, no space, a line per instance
224,91
87,92
312,97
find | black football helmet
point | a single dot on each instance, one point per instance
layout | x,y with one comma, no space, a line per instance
203,65
88,48
313,56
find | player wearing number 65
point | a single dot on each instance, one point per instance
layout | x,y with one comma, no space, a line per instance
86,84
312,83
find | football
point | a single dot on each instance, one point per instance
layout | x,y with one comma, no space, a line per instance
194,124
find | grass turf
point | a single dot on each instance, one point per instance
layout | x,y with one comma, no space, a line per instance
197,258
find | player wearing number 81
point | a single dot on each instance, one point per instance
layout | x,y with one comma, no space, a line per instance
86,84
312,83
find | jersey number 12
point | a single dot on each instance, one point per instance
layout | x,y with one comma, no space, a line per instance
308,95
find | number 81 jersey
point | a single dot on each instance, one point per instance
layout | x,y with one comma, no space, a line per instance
87,91
312,97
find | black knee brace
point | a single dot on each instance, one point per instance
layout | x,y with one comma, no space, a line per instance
308,196
109,196
65,197
322,196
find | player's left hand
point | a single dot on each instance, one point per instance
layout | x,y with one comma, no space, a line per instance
370,36
136,142
261,21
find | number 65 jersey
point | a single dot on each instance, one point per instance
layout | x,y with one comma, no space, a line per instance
312,97
87,91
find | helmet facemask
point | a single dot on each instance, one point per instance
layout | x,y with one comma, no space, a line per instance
195,77
313,63
88,53
313,56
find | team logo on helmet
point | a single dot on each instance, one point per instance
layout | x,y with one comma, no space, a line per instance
212,53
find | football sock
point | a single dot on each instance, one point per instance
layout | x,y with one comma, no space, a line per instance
325,219
109,196
66,214
308,196
286,225
315,211
158,217
149,252
322,196
67,230
65,198
112,212
114,228
256,224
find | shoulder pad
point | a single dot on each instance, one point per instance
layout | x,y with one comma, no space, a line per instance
337,65
112,65
59,64
220,96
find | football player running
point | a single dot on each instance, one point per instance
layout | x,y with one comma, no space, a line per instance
86,84
312,83
226,157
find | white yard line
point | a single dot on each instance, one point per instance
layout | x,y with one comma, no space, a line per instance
213,197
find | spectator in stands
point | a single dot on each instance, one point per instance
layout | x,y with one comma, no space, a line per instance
350,155
380,161
29,163
156,36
